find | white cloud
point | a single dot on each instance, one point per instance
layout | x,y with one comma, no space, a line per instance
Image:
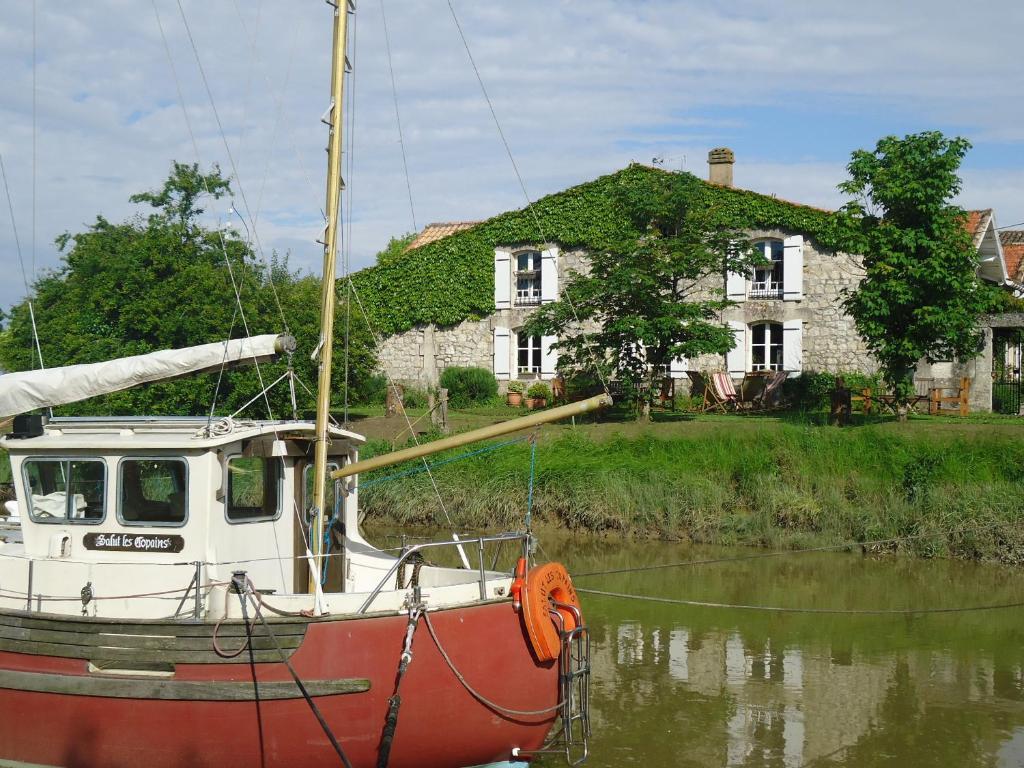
581,87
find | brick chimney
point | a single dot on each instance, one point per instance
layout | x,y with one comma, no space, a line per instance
720,162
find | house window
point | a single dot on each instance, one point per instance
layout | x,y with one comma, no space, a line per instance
766,347
528,278
529,354
66,490
153,491
767,281
254,488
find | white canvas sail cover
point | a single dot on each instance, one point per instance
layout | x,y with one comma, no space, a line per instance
28,390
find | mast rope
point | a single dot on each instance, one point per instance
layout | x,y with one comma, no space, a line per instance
195,148
598,368
398,117
231,159
21,261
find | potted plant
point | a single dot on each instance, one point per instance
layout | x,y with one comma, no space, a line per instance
515,393
537,395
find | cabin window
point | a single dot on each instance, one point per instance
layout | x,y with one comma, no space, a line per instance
254,488
153,491
66,490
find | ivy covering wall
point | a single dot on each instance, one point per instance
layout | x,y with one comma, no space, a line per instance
452,279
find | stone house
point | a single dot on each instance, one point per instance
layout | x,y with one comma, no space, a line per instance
787,315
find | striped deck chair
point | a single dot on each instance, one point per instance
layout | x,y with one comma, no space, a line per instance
720,393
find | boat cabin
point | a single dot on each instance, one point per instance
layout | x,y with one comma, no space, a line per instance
172,492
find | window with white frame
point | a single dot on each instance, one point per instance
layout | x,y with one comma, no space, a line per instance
529,354
528,278
766,347
767,280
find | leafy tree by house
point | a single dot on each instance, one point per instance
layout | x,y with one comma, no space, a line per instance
160,282
646,299
921,297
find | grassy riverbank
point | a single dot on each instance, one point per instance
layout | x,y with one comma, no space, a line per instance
959,486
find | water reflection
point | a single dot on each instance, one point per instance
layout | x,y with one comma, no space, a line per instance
710,687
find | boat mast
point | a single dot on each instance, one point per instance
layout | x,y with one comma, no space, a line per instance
334,185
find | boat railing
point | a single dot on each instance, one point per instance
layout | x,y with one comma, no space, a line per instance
409,552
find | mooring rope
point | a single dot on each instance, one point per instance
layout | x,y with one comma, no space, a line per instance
786,609
476,694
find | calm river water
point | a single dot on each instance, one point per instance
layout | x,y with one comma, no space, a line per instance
683,686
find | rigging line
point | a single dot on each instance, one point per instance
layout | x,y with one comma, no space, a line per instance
347,221
220,373
220,231
21,262
601,374
777,553
231,160
785,609
279,98
252,39
34,136
391,383
442,462
398,117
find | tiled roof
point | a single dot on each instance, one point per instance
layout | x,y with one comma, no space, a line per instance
1013,252
436,231
977,222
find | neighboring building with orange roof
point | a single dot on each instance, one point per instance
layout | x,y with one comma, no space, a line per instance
786,316
436,231
1013,252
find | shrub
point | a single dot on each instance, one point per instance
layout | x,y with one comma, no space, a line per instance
539,390
414,398
812,391
516,386
469,386
370,390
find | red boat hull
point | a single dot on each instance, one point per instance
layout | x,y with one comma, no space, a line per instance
440,724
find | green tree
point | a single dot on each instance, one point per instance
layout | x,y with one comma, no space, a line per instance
921,296
651,297
161,282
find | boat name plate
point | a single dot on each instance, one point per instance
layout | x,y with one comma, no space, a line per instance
133,542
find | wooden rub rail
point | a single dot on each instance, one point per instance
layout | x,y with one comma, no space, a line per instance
143,643
112,687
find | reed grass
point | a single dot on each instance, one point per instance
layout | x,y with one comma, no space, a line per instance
776,484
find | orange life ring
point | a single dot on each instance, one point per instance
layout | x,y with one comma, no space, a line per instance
543,584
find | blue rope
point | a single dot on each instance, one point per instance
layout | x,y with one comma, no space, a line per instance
460,457
327,536
533,470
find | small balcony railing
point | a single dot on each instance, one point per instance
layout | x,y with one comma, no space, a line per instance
765,291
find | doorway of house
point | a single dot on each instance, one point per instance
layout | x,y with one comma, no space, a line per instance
1007,358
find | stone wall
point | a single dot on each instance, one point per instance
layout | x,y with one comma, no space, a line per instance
830,340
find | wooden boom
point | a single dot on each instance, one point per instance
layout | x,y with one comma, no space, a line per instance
484,433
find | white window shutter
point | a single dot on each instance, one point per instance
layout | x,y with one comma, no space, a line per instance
677,368
502,353
502,279
548,357
735,286
549,275
793,268
793,345
736,359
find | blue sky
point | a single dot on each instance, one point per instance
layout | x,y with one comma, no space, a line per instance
582,88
